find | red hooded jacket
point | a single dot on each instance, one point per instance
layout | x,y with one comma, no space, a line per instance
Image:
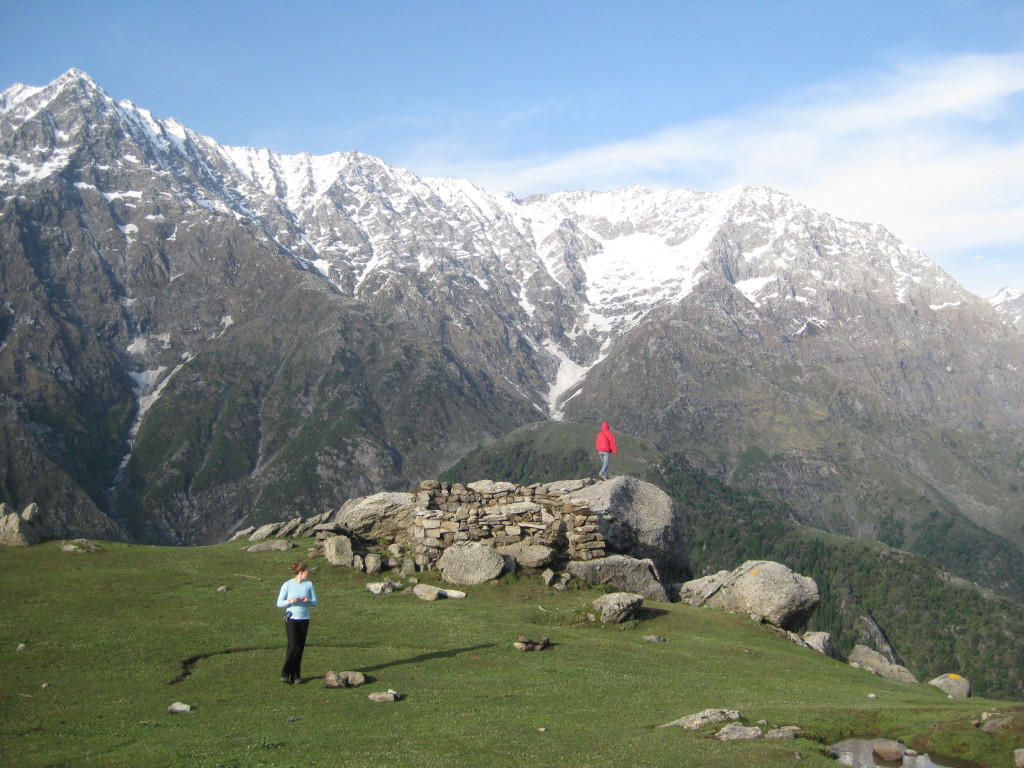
606,440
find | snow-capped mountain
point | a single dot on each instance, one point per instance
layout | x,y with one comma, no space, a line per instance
248,331
1010,303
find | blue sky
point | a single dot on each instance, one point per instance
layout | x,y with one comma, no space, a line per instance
907,113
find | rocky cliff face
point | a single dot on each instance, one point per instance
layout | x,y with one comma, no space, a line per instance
194,335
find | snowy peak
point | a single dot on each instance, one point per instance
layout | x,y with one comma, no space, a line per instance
1010,303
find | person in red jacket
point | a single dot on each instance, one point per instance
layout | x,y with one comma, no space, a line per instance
605,448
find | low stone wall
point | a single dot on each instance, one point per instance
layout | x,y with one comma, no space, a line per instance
504,514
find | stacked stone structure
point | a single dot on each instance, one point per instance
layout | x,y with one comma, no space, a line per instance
504,515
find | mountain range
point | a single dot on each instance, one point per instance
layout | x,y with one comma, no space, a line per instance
194,337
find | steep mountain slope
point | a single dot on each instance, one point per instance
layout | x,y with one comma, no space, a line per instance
192,335
1010,303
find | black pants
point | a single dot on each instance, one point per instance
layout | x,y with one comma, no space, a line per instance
297,630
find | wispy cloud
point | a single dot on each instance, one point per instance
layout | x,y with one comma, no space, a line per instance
932,149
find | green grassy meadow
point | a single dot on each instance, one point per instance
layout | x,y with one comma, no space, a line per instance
108,635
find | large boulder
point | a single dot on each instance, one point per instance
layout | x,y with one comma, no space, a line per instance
956,686
470,562
338,550
822,643
618,607
873,661
528,555
770,590
22,530
381,517
621,572
636,519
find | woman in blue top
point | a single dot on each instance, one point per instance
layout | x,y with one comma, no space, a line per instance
298,596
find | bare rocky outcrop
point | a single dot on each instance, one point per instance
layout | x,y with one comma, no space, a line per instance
873,661
770,590
622,572
24,529
635,518
822,643
381,517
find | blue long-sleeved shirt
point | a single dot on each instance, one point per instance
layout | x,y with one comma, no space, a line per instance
291,589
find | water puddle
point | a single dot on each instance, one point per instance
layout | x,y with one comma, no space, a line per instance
857,753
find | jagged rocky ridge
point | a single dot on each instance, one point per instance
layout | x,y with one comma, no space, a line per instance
196,337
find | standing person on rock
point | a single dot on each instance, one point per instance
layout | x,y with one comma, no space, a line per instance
297,595
605,448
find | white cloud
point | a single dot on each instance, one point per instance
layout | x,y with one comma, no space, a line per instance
932,149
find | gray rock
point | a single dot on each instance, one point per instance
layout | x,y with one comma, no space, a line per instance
470,562
780,733
954,685
1018,758
289,528
618,607
428,592
549,577
338,550
387,695
373,563
344,679
737,732
22,530
654,639
873,661
245,532
821,642
265,531
272,545
887,749
178,708
529,555
81,547
385,587
622,572
381,517
707,717
489,486
636,519
782,597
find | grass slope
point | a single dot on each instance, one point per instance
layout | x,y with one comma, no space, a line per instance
107,634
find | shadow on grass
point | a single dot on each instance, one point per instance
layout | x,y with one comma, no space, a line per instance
188,666
426,657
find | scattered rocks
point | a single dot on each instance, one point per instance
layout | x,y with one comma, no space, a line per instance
80,547
954,685
622,572
707,717
737,732
344,679
873,661
470,562
781,596
887,749
618,607
526,644
178,708
388,695
265,531
271,545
